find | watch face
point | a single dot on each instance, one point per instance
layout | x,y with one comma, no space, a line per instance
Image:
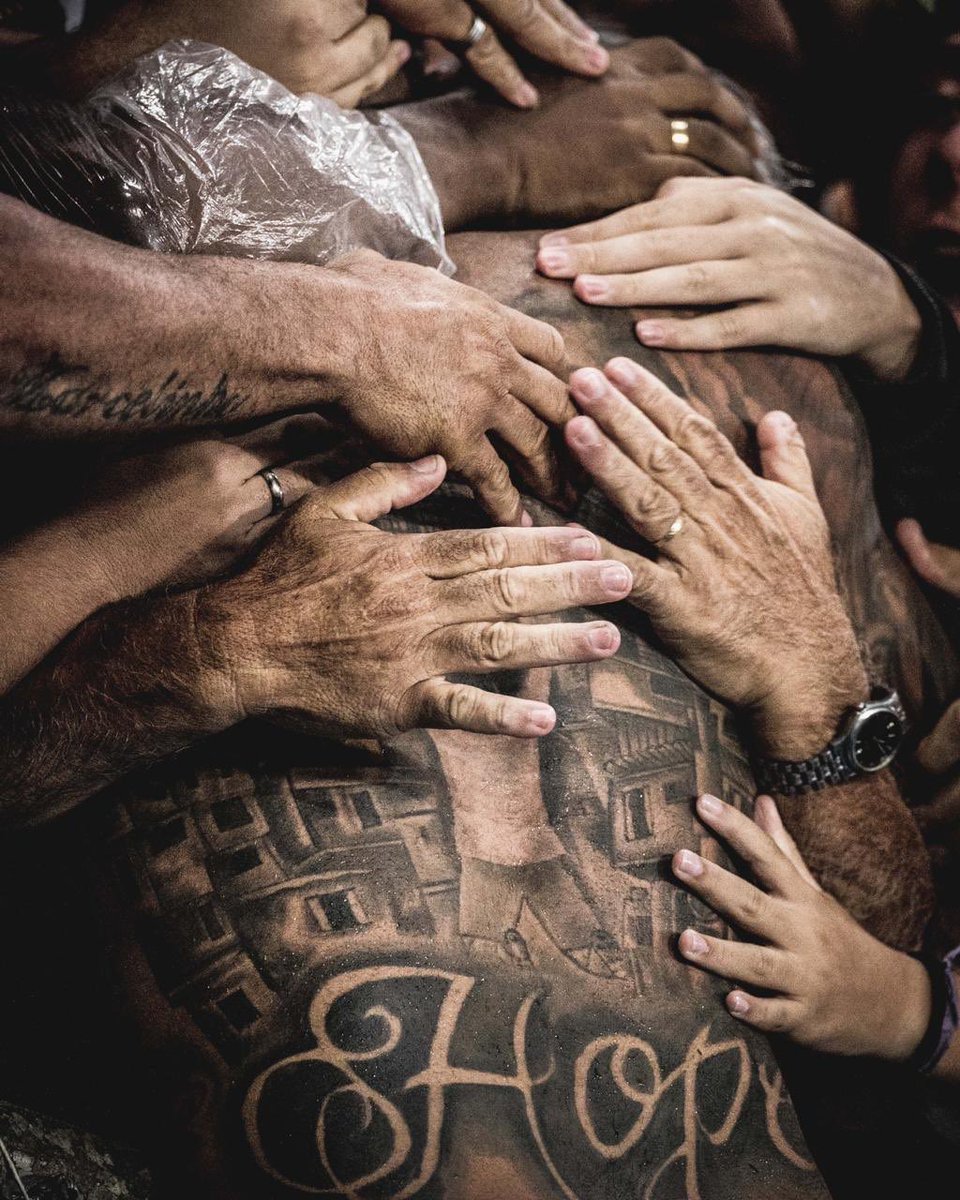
877,740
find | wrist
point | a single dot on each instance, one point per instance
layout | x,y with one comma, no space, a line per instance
908,998
893,350
468,155
802,718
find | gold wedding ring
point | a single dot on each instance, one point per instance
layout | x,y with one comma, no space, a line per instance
680,136
675,528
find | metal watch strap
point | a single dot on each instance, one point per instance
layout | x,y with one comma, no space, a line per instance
825,769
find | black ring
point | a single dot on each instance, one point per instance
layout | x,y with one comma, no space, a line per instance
269,477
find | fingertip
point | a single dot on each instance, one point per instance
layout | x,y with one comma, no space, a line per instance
738,1004
709,808
402,53
604,639
539,719
432,464
597,60
776,427
526,521
526,96
651,333
692,944
767,815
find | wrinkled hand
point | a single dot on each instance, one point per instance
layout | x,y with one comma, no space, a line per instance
937,565
441,366
782,274
346,630
547,29
834,987
597,145
744,595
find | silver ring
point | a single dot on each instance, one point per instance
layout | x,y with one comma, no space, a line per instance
675,528
275,488
475,34
680,136
477,31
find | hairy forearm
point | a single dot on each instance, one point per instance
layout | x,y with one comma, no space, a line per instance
130,687
863,845
99,339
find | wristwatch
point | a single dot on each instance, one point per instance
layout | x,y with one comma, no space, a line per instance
870,737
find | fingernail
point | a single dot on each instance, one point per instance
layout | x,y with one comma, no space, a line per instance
710,806
527,96
591,287
616,578
603,638
693,945
586,34
542,718
426,466
589,384
689,863
403,53
783,420
623,371
554,239
598,59
737,1003
651,333
526,521
554,260
584,546
584,432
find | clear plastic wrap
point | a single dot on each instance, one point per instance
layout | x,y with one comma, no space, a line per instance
193,151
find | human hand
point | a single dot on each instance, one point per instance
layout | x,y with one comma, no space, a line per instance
349,631
937,565
594,146
547,29
330,47
437,367
180,515
743,592
782,274
834,987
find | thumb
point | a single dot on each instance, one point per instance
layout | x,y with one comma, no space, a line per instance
783,456
380,488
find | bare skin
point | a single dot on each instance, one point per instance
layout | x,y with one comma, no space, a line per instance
775,272
556,888
835,988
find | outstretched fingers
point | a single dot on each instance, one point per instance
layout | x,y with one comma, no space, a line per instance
379,489
439,704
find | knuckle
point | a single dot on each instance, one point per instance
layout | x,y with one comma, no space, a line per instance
753,905
460,707
508,589
729,326
697,278
494,549
526,16
494,643
663,458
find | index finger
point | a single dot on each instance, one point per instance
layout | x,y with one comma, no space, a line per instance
698,203
450,553
763,856
536,29
536,340
680,422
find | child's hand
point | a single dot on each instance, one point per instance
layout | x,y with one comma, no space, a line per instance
831,985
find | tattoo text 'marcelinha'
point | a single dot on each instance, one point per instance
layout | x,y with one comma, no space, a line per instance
71,390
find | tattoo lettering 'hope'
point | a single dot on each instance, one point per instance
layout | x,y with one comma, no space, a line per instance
368,1110
66,390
